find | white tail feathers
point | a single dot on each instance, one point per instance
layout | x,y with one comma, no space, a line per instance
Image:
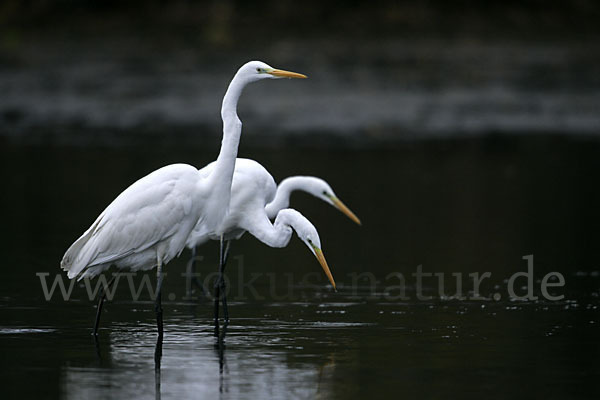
77,257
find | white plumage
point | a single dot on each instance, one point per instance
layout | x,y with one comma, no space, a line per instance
147,225
255,200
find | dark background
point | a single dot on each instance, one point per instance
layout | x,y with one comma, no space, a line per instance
464,135
380,71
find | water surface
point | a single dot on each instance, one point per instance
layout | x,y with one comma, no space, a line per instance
457,206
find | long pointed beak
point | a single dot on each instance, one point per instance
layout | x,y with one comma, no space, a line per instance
321,258
342,207
286,74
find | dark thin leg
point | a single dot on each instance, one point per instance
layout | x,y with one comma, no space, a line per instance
220,347
223,289
158,353
101,302
97,346
157,359
220,285
157,302
226,254
218,290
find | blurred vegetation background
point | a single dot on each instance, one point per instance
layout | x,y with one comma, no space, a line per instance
463,133
116,72
224,20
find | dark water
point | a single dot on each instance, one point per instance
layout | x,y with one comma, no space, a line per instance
452,206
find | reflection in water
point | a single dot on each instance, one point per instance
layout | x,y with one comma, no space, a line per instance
307,349
190,361
325,373
220,344
157,359
220,348
455,207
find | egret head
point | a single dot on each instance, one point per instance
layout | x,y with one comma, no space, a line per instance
308,234
321,189
310,237
256,70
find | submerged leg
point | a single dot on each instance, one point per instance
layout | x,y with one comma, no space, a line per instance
158,355
223,288
157,302
157,360
220,284
220,347
101,298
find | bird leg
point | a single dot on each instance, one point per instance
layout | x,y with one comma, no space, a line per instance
220,285
218,288
157,360
101,298
220,347
158,354
157,301
224,295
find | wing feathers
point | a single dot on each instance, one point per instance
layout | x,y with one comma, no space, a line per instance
151,211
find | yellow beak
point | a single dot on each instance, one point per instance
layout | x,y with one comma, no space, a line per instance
342,207
321,258
286,74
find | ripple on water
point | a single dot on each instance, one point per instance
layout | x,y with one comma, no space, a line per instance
323,324
331,304
23,331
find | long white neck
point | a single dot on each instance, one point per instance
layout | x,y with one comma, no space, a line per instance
222,175
284,192
276,234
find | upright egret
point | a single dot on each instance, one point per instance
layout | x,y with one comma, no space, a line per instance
255,198
148,224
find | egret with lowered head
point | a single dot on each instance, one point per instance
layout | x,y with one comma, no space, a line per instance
148,224
255,199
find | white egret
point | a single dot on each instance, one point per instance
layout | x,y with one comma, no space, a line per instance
148,224
309,184
255,199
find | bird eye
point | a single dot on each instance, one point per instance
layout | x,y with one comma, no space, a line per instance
259,70
325,192
309,241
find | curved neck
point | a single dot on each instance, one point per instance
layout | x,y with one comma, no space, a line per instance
232,129
284,192
230,100
277,234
